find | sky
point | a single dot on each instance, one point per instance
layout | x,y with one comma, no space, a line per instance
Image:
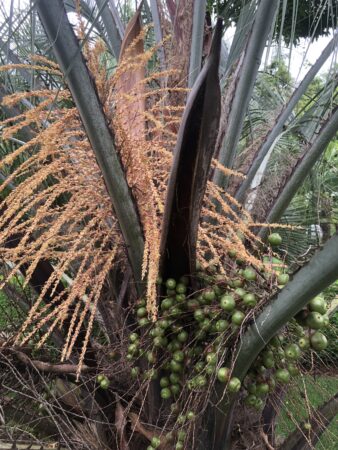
298,66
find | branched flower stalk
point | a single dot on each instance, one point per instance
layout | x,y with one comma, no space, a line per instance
60,208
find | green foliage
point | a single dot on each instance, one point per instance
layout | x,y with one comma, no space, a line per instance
10,313
295,408
312,18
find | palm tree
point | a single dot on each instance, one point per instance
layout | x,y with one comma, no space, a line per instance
131,238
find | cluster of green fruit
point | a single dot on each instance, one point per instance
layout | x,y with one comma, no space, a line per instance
185,347
191,327
314,318
189,333
278,361
103,381
169,437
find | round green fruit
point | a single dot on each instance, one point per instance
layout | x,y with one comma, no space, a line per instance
268,362
250,400
181,435
182,336
304,343
141,312
275,239
175,311
201,381
211,358
318,304
100,377
261,370
160,341
292,351
262,389
174,378
151,374
164,382
166,304
240,292
141,302
134,337
199,366
199,315
237,283
175,389
326,320
218,291
174,345
178,356
232,253
299,331
175,366
249,300
155,442
282,375
221,325
143,322
269,353
293,369
192,304
227,303
209,295
277,340
180,298
318,341
252,388
210,369
170,283
157,331
151,357
191,415
307,426
104,384
223,374
165,393
179,445
237,317
234,384
283,279
259,403
315,320
249,274
191,384
133,349
163,324
134,372
181,288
